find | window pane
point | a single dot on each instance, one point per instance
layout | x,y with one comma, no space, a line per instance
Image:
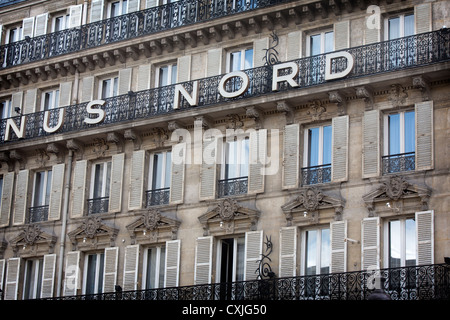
240,258
394,244
168,169
106,88
329,42
157,171
49,187
100,273
327,145
410,134
115,87
108,179
39,188
98,177
409,25
313,145
48,100
163,76
235,61
162,262
248,59
1,190
325,251
394,134
151,268
174,75
315,44
311,252
244,158
90,277
394,28
230,160
410,242
115,9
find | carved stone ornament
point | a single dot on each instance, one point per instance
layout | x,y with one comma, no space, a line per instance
151,219
33,241
91,225
100,234
31,233
395,187
310,198
227,209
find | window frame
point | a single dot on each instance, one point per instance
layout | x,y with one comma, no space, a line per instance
401,16
99,272
403,240
170,74
219,254
163,170
224,172
123,4
37,264
54,103
322,34
114,87
65,21
6,108
304,251
386,131
242,63
160,263
46,188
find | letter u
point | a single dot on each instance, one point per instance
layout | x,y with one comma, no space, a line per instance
62,113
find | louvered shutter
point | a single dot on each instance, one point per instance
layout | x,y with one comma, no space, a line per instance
371,144
257,160
288,252
341,35
87,89
184,69
203,260
172,263
20,201
48,276
291,156
79,188
338,231
12,279
339,161
29,104
425,237
177,173
75,15
7,195
253,250
137,178
96,10
124,81
259,52
208,171
133,6
373,34
56,195
424,135
110,269
214,62
72,273
370,245
423,17
115,194
41,25
28,27
143,77
16,100
294,45
130,269
65,94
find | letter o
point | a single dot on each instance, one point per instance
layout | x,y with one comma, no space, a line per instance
225,78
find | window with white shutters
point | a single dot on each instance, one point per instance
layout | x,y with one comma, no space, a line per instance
33,278
41,196
98,201
159,179
317,155
93,275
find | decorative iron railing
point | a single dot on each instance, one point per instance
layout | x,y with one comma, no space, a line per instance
98,205
427,282
233,186
429,48
316,174
399,162
37,214
157,197
124,27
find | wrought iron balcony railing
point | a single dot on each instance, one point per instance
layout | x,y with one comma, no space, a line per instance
399,162
124,27
316,174
98,205
429,48
232,187
427,282
157,197
37,214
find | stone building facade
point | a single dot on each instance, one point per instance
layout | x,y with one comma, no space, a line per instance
154,144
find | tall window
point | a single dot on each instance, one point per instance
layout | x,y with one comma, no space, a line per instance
230,264
155,267
159,178
401,52
41,196
240,60
33,278
317,258
5,109
109,87
234,170
400,26
320,43
100,184
14,34
117,8
402,243
166,75
60,22
50,99
399,142
93,273
317,157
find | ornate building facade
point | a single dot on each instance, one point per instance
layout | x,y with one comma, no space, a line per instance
147,145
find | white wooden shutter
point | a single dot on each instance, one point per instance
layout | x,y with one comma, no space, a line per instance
184,69
28,27
130,268
72,273
423,17
48,276
79,188
110,269
203,260
208,171
341,35
124,80
65,94
338,231
339,161
214,62
257,160
370,244
16,100
371,144
172,263
137,178
150,3
259,52
56,195
253,250
424,135
115,194
288,252
87,89
96,10
294,45
143,77
372,34
41,25
291,156
29,103
7,195
75,15
177,173
425,237
12,279
133,5
20,201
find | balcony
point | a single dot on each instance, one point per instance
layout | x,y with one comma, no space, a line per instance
98,205
316,174
399,162
37,214
426,282
233,187
430,48
157,197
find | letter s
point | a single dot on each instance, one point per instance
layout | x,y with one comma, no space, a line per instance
100,112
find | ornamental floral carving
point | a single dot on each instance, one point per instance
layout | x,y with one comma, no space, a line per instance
150,219
395,187
91,225
310,198
226,209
